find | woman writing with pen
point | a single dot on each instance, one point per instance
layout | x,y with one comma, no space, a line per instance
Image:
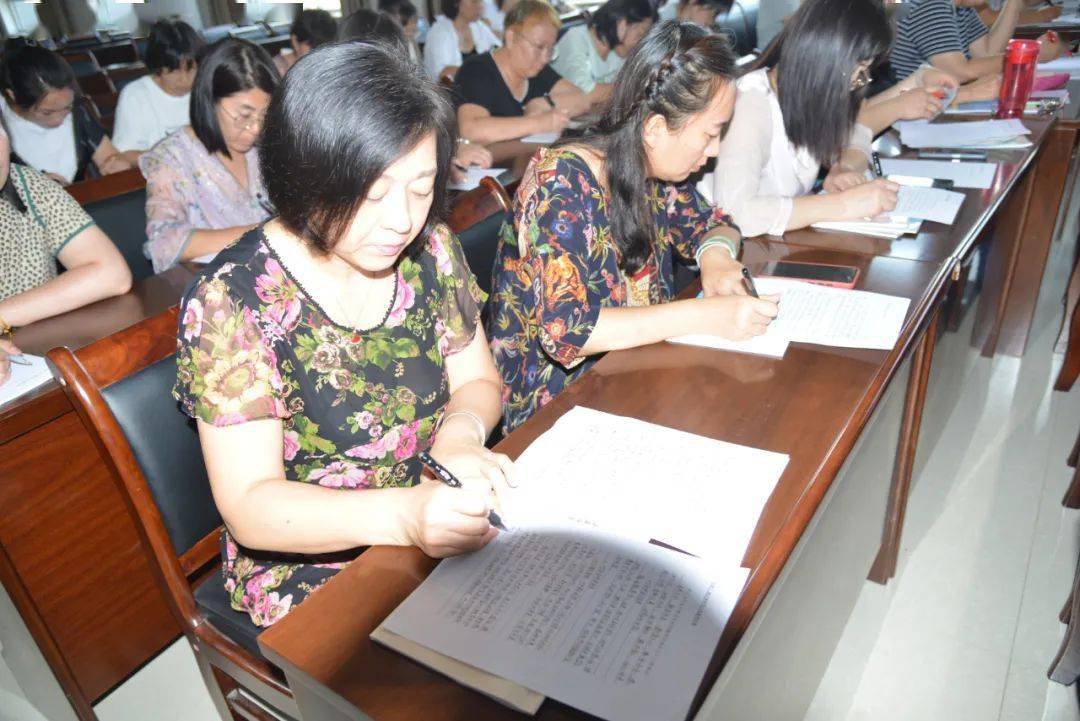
586,266
323,351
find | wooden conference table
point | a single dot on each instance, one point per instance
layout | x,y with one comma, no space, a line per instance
849,420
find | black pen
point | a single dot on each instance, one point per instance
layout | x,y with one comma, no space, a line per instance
444,475
748,282
877,164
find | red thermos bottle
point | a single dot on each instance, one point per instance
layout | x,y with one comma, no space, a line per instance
1021,57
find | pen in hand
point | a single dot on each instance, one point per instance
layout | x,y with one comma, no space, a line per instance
877,164
443,474
748,283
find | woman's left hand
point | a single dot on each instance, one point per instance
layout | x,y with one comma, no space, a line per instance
841,178
720,273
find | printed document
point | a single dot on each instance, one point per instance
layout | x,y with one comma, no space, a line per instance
962,174
933,204
473,176
973,133
25,378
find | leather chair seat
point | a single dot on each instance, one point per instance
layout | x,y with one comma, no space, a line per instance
213,601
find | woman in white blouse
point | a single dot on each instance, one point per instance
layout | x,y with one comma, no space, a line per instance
797,112
455,35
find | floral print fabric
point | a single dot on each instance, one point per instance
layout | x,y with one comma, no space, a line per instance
558,265
356,405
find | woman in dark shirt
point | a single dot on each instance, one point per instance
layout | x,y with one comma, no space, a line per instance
512,92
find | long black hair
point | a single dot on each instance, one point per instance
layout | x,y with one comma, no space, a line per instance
605,21
371,26
313,131
674,72
815,56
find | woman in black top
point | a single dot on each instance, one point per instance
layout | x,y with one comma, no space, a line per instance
50,128
512,92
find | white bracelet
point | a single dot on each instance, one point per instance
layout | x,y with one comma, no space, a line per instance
475,418
725,243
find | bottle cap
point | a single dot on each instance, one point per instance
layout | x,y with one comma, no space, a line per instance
1022,51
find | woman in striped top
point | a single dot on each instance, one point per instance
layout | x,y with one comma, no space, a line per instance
950,36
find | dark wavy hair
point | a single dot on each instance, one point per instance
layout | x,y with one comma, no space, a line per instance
171,45
814,56
314,27
313,131
374,27
674,72
605,20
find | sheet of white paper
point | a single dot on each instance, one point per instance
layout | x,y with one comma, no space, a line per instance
473,176
615,628
25,378
880,227
933,204
204,259
1062,65
768,344
615,473
1059,93
541,138
962,174
921,134
835,316
1072,18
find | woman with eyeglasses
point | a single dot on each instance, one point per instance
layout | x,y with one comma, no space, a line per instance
512,92
50,128
590,55
203,187
796,112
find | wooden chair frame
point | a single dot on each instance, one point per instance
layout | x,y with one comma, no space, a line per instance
475,205
226,667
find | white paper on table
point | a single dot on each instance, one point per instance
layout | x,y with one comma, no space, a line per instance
618,629
882,226
541,138
474,175
769,344
1070,19
962,174
839,317
922,134
204,259
1057,94
25,378
934,204
618,474
1062,65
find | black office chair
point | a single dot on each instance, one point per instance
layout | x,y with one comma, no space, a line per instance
123,219
121,388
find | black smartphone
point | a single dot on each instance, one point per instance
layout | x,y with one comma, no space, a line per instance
838,276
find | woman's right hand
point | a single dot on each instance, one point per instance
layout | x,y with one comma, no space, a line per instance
737,317
444,521
1050,47
7,350
869,199
553,121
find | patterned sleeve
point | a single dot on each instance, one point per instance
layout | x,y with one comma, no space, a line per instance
461,298
54,208
572,265
685,218
167,224
226,370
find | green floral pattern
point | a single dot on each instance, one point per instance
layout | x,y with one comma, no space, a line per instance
356,405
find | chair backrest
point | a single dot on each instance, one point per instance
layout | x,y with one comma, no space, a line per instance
114,53
121,388
82,63
117,203
274,45
121,75
103,108
476,217
740,23
95,83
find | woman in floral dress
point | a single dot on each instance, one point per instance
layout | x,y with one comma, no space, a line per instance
586,266
323,350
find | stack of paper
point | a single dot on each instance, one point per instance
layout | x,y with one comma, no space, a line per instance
1071,18
541,138
1070,65
473,176
914,205
572,603
821,315
971,134
27,373
882,226
962,174
1061,94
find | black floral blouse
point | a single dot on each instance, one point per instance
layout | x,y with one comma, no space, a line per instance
357,405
